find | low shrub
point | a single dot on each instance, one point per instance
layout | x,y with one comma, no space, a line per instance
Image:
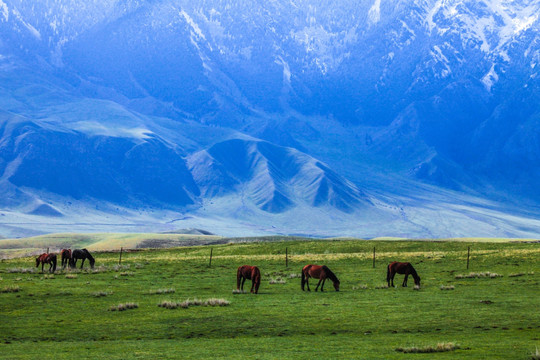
10,289
474,275
102,293
360,287
162,291
193,302
441,347
447,287
122,307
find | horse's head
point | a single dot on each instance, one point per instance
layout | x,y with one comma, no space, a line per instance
336,285
37,261
417,281
92,262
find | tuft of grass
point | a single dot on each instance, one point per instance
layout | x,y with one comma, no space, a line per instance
216,302
193,302
278,280
10,289
295,276
127,273
238,291
169,304
474,275
535,356
162,291
122,307
21,270
516,274
360,287
440,347
385,286
46,276
447,287
101,293
71,276
120,267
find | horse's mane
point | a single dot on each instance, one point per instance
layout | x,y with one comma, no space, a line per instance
413,272
330,274
90,257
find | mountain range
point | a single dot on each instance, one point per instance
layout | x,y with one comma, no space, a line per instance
344,118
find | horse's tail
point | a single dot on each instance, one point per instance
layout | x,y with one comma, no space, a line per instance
303,279
54,263
388,273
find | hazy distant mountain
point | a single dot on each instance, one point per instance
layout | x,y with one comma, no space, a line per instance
351,108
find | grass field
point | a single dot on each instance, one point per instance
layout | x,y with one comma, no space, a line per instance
480,315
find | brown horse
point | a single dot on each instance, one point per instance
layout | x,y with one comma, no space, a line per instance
321,272
65,254
250,273
401,268
47,259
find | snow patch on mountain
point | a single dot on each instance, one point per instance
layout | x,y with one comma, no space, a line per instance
4,10
374,13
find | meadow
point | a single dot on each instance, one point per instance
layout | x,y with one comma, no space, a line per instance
490,310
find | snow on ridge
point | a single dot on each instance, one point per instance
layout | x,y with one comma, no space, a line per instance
196,30
4,10
374,13
490,78
30,28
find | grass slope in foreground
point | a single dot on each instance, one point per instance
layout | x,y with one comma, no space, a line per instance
69,314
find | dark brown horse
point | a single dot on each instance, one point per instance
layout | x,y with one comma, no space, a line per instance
81,254
401,268
47,259
250,273
65,255
321,272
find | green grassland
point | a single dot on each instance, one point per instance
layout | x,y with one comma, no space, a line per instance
67,315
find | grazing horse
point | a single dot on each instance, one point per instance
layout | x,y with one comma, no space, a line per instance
250,273
401,268
321,272
65,254
81,254
47,259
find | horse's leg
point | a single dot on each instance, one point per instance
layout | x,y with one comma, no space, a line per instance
82,263
322,285
392,278
243,281
405,280
42,266
252,285
307,283
319,283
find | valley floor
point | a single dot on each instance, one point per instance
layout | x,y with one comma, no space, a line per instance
487,311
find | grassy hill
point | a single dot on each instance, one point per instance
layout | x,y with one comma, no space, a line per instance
486,311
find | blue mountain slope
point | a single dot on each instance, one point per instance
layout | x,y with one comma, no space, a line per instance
180,104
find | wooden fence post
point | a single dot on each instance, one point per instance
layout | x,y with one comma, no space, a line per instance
374,257
468,254
120,260
211,250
